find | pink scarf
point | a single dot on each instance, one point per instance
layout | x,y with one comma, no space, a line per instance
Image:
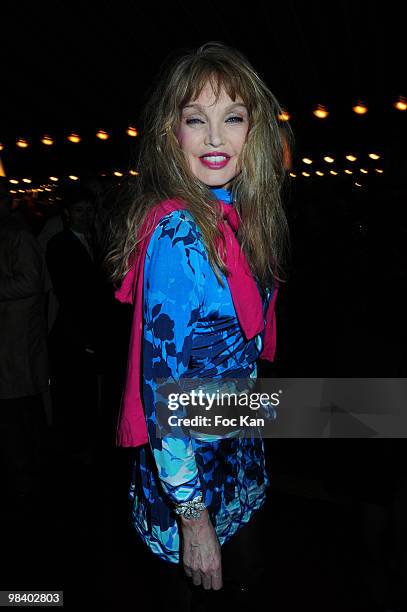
132,429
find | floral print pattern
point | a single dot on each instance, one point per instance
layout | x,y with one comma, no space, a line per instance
191,331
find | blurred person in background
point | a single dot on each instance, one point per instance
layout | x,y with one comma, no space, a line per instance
70,257
23,355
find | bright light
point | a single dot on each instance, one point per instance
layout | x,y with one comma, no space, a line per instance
363,171
23,144
329,160
351,158
305,174
117,173
320,111
374,156
102,135
13,191
74,138
358,185
307,160
400,104
333,172
13,181
26,180
348,171
48,189
1,146
133,172
40,190
378,170
319,173
293,175
359,108
73,177
21,191
131,131
47,140
53,178
284,116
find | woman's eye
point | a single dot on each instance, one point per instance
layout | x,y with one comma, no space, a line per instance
194,120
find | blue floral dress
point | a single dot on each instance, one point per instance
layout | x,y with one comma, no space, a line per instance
191,330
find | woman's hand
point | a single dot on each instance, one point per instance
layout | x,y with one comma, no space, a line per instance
201,552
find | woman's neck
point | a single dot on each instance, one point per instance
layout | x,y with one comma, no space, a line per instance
222,194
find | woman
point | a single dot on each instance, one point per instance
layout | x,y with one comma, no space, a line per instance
210,176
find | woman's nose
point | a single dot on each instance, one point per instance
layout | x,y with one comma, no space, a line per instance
214,136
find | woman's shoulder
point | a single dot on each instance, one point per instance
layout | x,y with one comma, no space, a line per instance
178,218
176,244
177,226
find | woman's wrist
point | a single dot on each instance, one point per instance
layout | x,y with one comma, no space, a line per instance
195,524
202,520
191,509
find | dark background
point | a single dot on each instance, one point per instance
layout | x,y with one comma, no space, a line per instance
70,67
76,67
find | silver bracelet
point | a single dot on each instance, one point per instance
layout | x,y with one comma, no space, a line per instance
191,509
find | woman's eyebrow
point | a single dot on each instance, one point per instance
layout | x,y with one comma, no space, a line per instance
198,106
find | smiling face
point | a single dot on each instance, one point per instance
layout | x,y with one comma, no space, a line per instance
212,134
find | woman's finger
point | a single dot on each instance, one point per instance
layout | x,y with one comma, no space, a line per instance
188,571
196,577
217,582
206,581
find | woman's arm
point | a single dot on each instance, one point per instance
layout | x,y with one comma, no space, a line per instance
173,295
171,304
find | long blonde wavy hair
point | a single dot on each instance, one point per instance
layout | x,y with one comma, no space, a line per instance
164,172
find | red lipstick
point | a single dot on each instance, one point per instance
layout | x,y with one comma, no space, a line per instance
215,160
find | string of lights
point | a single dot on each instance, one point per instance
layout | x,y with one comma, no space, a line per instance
325,166
25,184
73,137
319,111
359,107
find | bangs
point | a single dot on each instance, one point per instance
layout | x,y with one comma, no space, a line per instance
219,79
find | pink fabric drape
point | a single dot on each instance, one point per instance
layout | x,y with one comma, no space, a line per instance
132,429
